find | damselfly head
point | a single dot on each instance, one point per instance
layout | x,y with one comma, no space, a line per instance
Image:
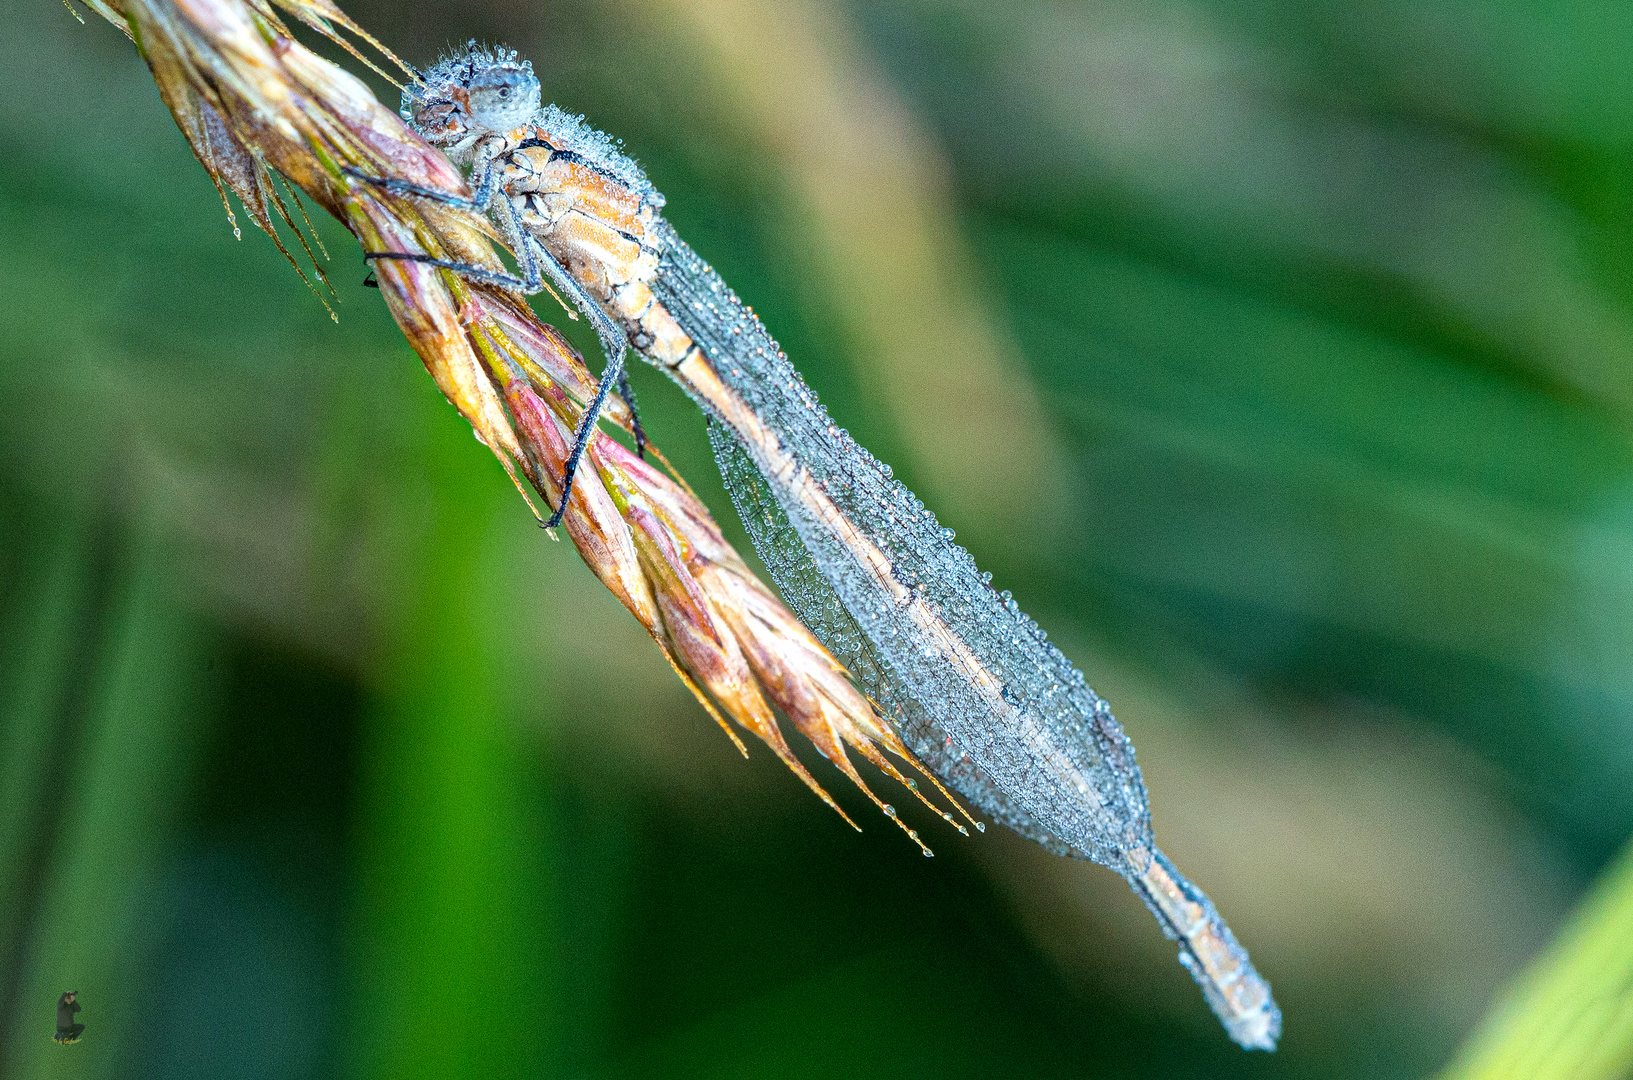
472,93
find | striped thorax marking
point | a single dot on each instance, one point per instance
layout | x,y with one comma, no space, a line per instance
601,229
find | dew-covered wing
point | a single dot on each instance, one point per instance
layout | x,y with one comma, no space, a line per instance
973,685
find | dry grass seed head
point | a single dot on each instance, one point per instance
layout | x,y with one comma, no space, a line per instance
253,103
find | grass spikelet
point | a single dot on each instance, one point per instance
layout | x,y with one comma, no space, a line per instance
254,103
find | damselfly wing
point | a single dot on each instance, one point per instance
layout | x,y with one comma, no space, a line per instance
972,684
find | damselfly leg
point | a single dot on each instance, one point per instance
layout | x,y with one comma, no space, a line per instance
627,392
535,263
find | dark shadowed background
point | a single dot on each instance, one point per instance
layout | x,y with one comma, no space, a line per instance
1277,355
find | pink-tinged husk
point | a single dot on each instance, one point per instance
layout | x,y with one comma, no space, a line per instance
709,584
592,521
417,296
797,672
704,644
546,355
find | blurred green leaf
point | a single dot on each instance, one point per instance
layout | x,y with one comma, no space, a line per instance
123,750
1570,1015
456,920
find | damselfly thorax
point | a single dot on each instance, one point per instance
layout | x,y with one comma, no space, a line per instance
603,232
579,215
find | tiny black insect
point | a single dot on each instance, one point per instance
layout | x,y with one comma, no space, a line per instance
67,1030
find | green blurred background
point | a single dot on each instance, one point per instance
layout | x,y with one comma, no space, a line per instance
1279,357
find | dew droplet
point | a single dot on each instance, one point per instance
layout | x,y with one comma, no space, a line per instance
980,826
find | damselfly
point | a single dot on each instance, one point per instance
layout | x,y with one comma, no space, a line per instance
971,683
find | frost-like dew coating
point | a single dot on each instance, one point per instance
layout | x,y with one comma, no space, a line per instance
972,683
599,149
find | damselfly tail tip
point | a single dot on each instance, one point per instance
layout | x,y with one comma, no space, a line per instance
1264,1033
1259,1029
1239,996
